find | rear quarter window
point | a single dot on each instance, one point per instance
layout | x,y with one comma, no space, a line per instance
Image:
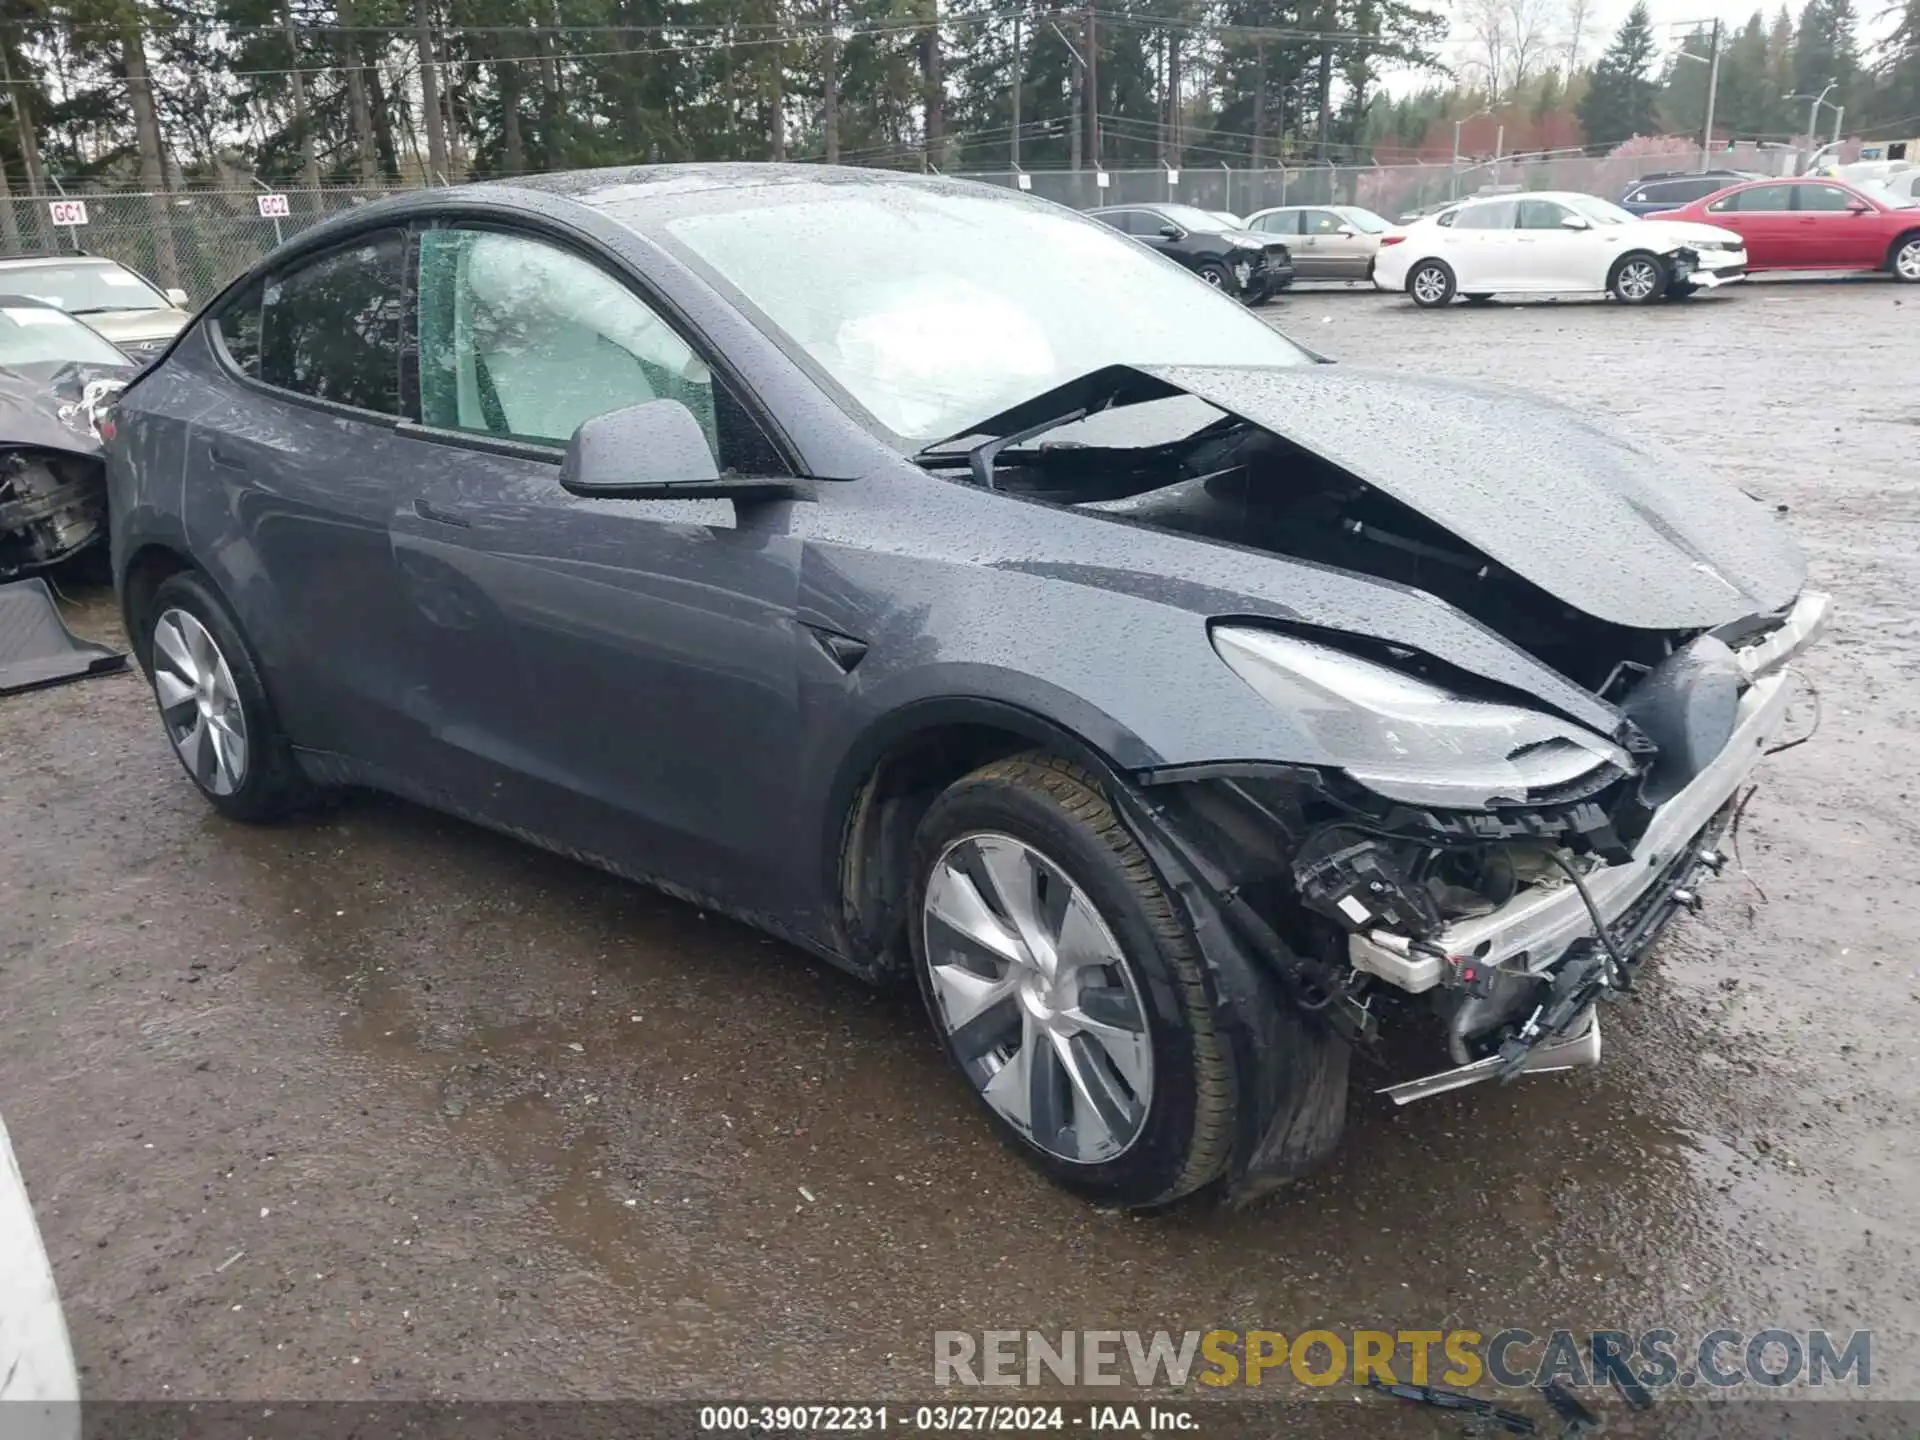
238,326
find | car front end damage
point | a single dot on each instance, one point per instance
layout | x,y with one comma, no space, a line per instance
1502,927
53,496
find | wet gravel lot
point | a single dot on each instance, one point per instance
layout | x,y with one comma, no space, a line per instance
380,1105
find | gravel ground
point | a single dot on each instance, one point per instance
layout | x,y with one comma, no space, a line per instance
380,1105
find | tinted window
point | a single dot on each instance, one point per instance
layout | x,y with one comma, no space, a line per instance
1281,222
1496,215
1542,214
1111,218
1756,197
331,329
522,340
1822,197
239,326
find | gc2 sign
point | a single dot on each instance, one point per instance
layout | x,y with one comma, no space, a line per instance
68,212
273,207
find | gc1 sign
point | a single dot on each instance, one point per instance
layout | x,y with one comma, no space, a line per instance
273,207
68,212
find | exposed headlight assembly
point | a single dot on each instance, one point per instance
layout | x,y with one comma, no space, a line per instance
1407,739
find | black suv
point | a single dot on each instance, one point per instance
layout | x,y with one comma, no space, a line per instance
1240,262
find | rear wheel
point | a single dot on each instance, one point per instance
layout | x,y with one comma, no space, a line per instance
1638,278
1430,283
214,705
1065,987
1904,259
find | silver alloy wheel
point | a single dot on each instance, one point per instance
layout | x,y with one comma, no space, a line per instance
1907,262
1039,1007
1212,277
199,702
1637,279
1430,285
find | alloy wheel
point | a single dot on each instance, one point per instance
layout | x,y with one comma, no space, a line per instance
199,702
1907,262
1430,286
1637,280
1036,1001
1212,277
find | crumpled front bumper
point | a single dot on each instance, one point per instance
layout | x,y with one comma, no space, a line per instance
1534,929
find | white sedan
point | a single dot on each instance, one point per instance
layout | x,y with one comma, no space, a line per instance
1554,241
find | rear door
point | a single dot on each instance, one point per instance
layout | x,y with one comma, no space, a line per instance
615,676
1830,234
290,483
1763,216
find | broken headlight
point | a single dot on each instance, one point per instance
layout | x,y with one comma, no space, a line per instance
1406,738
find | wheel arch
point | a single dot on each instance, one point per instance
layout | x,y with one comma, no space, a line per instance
1638,253
142,575
1899,242
884,785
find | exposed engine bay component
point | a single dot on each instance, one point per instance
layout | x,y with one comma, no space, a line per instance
52,506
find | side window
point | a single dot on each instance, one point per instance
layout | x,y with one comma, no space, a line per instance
1644,195
1756,198
1319,222
1685,192
238,324
1281,222
523,340
1542,214
1113,221
331,329
1822,197
1495,215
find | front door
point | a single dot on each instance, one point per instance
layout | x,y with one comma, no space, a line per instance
1830,234
1321,252
1551,255
613,676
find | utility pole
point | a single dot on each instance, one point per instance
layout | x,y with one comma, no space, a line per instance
1713,88
1326,75
1093,87
1019,83
831,120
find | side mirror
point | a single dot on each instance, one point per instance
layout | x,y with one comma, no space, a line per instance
653,450
1577,222
1345,232
1860,207
177,298
1170,232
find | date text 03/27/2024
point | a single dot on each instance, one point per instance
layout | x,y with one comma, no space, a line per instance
934,1419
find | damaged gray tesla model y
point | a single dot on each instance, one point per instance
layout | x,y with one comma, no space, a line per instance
949,585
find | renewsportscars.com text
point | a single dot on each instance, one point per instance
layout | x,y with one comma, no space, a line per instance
1656,1359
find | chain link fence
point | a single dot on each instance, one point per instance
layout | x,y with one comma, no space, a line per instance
199,239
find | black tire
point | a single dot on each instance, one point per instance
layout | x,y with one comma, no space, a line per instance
1638,278
1431,284
1479,297
1216,275
1903,258
1057,808
270,783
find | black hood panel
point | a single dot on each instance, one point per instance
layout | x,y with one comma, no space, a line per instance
32,397
1625,530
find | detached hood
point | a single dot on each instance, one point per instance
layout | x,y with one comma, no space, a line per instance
1624,530
1690,231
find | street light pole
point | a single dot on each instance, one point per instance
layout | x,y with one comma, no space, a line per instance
1713,86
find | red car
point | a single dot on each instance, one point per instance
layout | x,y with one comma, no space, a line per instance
1816,224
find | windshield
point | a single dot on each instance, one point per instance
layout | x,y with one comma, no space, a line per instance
1191,217
1601,212
1365,221
35,335
934,309
1885,195
82,289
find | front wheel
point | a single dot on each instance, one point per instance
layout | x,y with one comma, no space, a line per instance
1638,279
1430,283
1065,987
1905,260
1215,274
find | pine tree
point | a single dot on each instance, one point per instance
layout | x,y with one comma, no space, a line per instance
1620,98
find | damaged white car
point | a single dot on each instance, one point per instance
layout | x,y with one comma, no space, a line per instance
1555,242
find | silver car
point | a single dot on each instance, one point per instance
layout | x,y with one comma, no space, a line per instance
1329,242
125,307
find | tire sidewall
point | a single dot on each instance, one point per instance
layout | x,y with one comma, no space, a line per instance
263,791
1216,275
1415,273
1148,1170
1662,278
1900,247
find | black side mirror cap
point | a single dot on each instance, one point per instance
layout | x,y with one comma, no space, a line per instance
655,450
